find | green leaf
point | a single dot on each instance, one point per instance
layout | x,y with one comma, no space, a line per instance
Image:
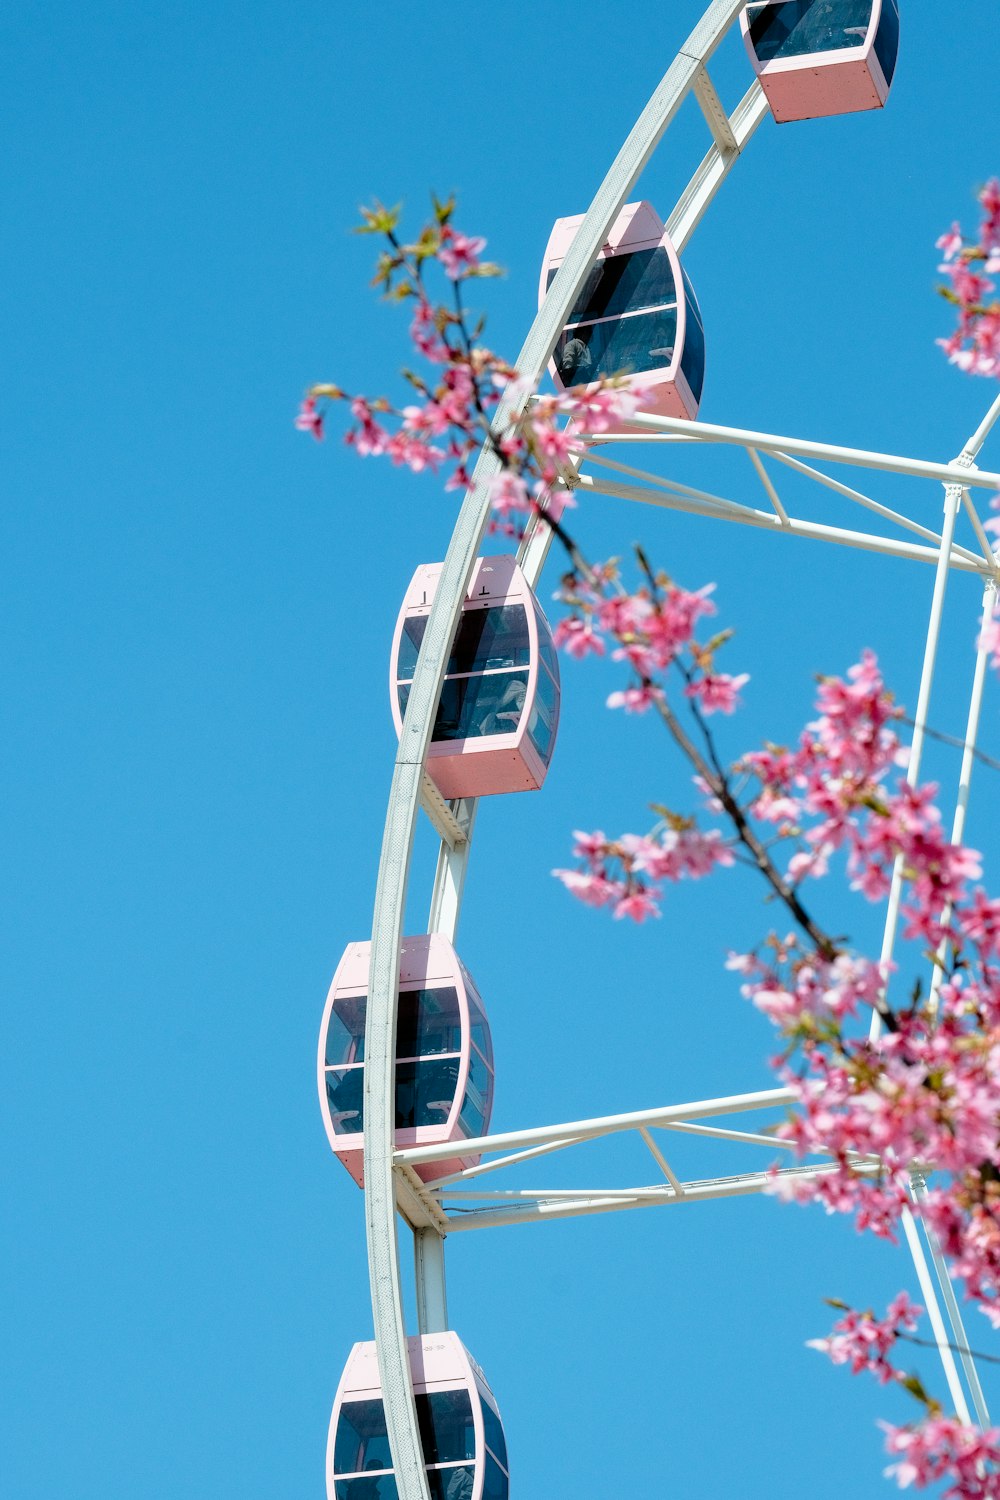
378,219
915,1386
443,211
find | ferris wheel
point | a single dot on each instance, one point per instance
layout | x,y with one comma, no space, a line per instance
405,1067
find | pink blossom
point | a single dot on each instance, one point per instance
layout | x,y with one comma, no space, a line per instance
635,700
864,1341
508,492
943,1448
590,846
459,253
310,419
591,889
604,408
577,637
950,243
638,903
717,692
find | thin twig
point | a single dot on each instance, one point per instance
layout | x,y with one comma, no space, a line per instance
951,739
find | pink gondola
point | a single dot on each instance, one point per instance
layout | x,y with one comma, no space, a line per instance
444,1055
460,1427
822,57
637,312
499,711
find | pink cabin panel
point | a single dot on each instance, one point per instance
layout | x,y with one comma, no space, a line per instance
636,312
498,714
444,1056
462,1436
822,57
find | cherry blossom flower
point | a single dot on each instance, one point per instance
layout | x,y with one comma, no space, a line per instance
310,419
459,253
717,692
863,1341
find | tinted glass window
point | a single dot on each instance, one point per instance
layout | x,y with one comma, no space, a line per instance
425,1091
478,1094
345,1037
494,1433
693,356
645,342
361,1440
544,715
428,1022
887,39
496,1485
409,646
446,1429
345,1094
546,650
480,1030
795,28
367,1487
624,283
452,1484
495,637
474,706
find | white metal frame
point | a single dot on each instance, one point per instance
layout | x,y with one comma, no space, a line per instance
393,1191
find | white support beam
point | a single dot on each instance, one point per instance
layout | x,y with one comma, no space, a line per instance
768,483
432,1296
715,168
522,1210
602,1125
715,115
769,442
662,1162
877,508
862,541
452,867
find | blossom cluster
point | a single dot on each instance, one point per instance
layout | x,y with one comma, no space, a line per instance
618,872
861,1340
968,264
943,1448
456,410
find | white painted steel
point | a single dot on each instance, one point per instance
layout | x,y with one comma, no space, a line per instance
524,1211
769,442
965,775
768,483
918,1190
404,796
716,166
934,1314
725,510
953,498
432,1297
581,1130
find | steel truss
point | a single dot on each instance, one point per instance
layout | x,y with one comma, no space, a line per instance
394,1193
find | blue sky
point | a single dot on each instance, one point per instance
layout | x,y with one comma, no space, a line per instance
198,605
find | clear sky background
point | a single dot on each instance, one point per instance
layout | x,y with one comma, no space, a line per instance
197,609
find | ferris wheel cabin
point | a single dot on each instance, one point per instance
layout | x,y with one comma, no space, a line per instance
460,1428
496,722
444,1055
822,57
637,312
